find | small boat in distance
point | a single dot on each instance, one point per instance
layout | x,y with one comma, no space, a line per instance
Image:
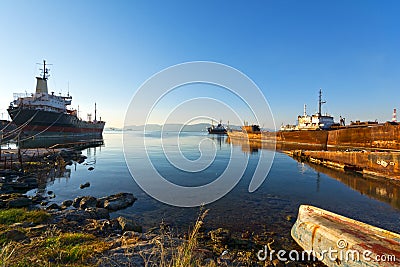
219,129
47,115
339,241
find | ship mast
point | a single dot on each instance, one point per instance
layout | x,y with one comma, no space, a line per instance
95,112
44,70
320,102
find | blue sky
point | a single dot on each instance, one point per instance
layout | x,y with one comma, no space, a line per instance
106,49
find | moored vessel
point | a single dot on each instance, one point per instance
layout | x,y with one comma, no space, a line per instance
312,122
47,115
219,129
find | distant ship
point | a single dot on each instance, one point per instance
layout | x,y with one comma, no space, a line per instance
314,122
320,132
47,115
219,129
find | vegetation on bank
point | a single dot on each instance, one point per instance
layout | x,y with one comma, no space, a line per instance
52,247
44,243
60,249
10,216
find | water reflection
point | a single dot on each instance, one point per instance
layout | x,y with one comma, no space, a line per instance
219,138
382,189
53,172
248,146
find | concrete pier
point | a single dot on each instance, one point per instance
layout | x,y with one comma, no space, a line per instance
385,164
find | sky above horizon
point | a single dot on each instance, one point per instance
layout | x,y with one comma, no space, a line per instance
104,50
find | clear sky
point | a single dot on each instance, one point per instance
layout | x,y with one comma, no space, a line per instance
105,50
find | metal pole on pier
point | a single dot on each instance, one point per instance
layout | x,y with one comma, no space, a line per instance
19,152
1,141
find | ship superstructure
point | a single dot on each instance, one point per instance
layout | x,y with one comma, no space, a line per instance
313,122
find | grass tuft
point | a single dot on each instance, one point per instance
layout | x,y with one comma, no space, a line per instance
11,216
63,249
69,248
185,256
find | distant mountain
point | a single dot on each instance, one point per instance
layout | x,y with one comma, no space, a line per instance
176,127
200,127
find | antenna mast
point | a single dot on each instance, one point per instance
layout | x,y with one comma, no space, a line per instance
45,70
320,102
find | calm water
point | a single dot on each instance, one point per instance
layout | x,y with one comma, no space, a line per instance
288,185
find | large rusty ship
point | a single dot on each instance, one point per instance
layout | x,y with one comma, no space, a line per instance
320,132
47,115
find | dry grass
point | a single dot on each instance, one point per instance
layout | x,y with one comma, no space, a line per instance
63,249
173,252
55,248
185,253
7,252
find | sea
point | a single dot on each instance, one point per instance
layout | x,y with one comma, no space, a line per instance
273,207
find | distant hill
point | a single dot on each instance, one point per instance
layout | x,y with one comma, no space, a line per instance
200,127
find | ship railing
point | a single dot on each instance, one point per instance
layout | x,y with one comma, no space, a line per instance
21,95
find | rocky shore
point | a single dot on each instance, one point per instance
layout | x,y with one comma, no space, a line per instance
85,223
36,231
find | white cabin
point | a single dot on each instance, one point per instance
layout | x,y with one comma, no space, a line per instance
314,122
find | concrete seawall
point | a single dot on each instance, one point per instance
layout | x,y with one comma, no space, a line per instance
384,164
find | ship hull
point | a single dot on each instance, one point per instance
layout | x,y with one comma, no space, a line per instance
7,130
41,123
214,131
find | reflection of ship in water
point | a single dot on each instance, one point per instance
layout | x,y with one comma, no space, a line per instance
382,189
219,138
386,190
64,172
48,178
248,146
